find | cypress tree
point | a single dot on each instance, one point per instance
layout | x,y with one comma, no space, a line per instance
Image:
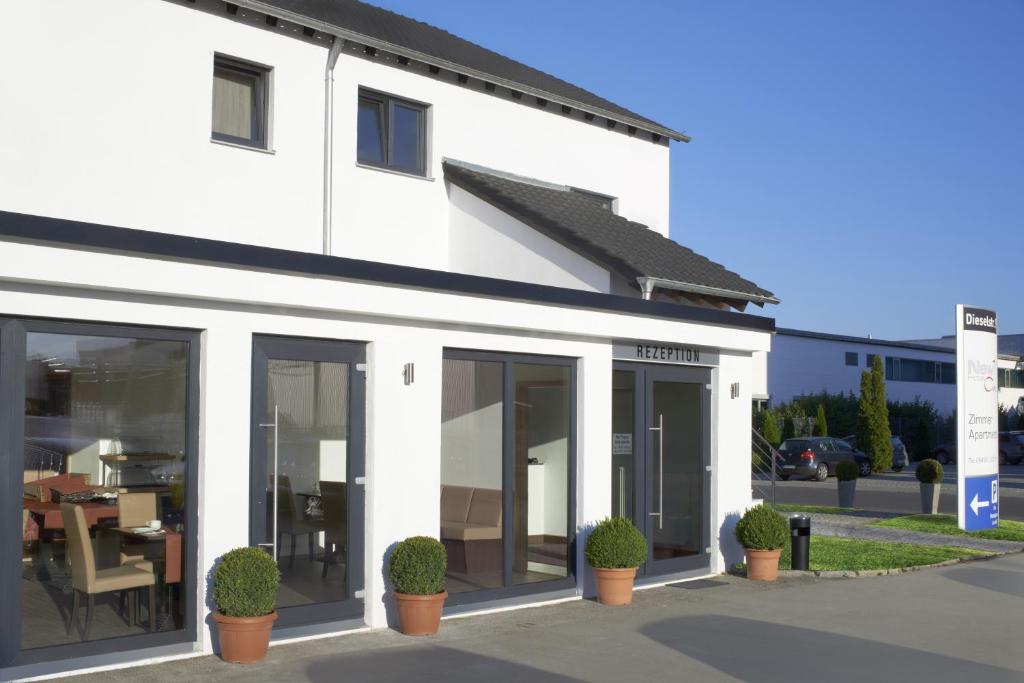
820,423
881,435
865,406
770,429
788,428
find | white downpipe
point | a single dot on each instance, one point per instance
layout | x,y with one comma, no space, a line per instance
332,59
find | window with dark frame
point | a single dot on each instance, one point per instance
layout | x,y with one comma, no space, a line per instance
851,358
240,102
392,133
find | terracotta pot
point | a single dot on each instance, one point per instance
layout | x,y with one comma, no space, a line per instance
615,586
763,565
244,640
420,615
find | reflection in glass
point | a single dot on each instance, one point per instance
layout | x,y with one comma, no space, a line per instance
623,450
405,138
541,469
106,435
471,474
311,399
681,466
370,133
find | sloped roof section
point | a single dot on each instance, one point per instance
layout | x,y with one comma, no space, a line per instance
625,247
401,31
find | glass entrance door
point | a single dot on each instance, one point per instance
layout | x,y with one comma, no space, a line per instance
307,468
660,476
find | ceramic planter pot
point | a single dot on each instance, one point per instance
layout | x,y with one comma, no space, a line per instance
244,640
615,586
420,615
930,498
763,565
847,489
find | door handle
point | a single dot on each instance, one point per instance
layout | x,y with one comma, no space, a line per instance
661,470
273,425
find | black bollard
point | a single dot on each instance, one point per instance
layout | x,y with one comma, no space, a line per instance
800,537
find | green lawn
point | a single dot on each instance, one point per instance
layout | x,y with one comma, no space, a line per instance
829,553
946,524
820,509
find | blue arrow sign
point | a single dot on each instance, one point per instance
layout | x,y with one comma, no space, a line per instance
981,502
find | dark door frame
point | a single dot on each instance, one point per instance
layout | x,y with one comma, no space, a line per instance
264,348
13,333
644,376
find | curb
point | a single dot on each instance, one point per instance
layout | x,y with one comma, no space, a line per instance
863,573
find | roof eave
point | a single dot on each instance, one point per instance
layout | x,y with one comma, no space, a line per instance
347,34
647,285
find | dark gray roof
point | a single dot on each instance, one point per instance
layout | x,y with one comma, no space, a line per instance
630,249
397,30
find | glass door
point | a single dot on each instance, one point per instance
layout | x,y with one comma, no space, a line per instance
307,473
660,461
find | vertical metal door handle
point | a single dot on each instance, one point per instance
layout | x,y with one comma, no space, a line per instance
622,492
661,469
273,425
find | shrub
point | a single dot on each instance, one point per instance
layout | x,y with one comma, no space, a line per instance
929,471
417,566
770,429
847,470
762,528
615,544
820,422
245,583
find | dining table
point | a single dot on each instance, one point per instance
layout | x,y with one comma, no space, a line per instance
45,516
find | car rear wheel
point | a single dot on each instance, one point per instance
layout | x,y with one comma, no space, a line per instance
897,468
1016,461
784,477
821,474
864,468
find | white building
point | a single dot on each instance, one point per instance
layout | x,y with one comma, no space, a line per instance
803,362
315,277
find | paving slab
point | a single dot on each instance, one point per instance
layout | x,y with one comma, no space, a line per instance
945,624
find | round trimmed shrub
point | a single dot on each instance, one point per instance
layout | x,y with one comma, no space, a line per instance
417,566
847,470
762,528
929,471
245,583
615,543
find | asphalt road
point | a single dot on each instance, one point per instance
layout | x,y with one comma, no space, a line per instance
897,492
957,624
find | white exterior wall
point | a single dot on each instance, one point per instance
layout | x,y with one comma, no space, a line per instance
403,465
486,241
112,123
804,365
123,137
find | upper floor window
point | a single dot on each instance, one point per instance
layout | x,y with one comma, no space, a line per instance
240,102
392,133
851,358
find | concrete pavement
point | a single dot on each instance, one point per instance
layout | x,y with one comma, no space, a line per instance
957,623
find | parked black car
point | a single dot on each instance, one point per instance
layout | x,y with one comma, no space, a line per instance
816,457
1011,449
900,455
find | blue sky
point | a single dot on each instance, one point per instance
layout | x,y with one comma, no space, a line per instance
864,159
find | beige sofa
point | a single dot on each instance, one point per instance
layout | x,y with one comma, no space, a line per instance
471,528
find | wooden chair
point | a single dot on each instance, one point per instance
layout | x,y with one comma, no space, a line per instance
85,578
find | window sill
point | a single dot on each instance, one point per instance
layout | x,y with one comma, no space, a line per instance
251,148
382,169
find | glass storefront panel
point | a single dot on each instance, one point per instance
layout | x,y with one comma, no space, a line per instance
106,438
541,469
471,474
310,400
623,448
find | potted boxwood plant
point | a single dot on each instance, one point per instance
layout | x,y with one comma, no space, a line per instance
245,590
929,473
846,475
615,549
416,569
762,532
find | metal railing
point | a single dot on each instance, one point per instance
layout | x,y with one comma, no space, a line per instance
762,474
